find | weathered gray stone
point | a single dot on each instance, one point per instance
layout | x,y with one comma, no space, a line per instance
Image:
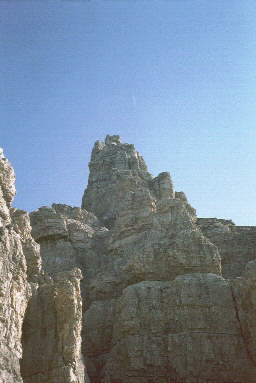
14,289
114,168
51,331
152,238
236,244
167,297
185,331
40,317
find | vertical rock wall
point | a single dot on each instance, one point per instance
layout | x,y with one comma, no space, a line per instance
40,316
167,297
14,289
51,331
156,306
236,244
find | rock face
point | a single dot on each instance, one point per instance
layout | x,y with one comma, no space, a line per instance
13,278
40,317
114,167
167,297
236,244
158,306
51,331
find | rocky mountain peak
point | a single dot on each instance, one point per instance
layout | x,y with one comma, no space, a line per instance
115,168
165,296
115,139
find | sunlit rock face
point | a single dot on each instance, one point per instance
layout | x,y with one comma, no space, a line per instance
14,289
114,169
35,310
51,336
170,315
166,297
7,189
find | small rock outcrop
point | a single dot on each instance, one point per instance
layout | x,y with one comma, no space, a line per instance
167,297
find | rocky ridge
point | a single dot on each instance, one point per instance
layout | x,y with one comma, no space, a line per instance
167,297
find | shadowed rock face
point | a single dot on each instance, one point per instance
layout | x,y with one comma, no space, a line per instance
236,244
40,317
167,297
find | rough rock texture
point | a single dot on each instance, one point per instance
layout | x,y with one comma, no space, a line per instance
185,330
14,290
236,244
113,167
167,297
51,329
156,305
40,317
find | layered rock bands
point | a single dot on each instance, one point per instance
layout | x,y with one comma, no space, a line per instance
166,297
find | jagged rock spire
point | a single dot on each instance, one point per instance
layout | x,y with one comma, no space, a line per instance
117,169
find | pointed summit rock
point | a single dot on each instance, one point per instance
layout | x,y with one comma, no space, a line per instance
146,217
115,169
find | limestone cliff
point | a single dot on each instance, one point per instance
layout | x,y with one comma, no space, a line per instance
167,297
157,307
40,317
14,288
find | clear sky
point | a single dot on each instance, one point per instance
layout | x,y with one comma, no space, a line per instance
177,78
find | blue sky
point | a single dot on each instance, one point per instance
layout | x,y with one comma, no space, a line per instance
176,78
